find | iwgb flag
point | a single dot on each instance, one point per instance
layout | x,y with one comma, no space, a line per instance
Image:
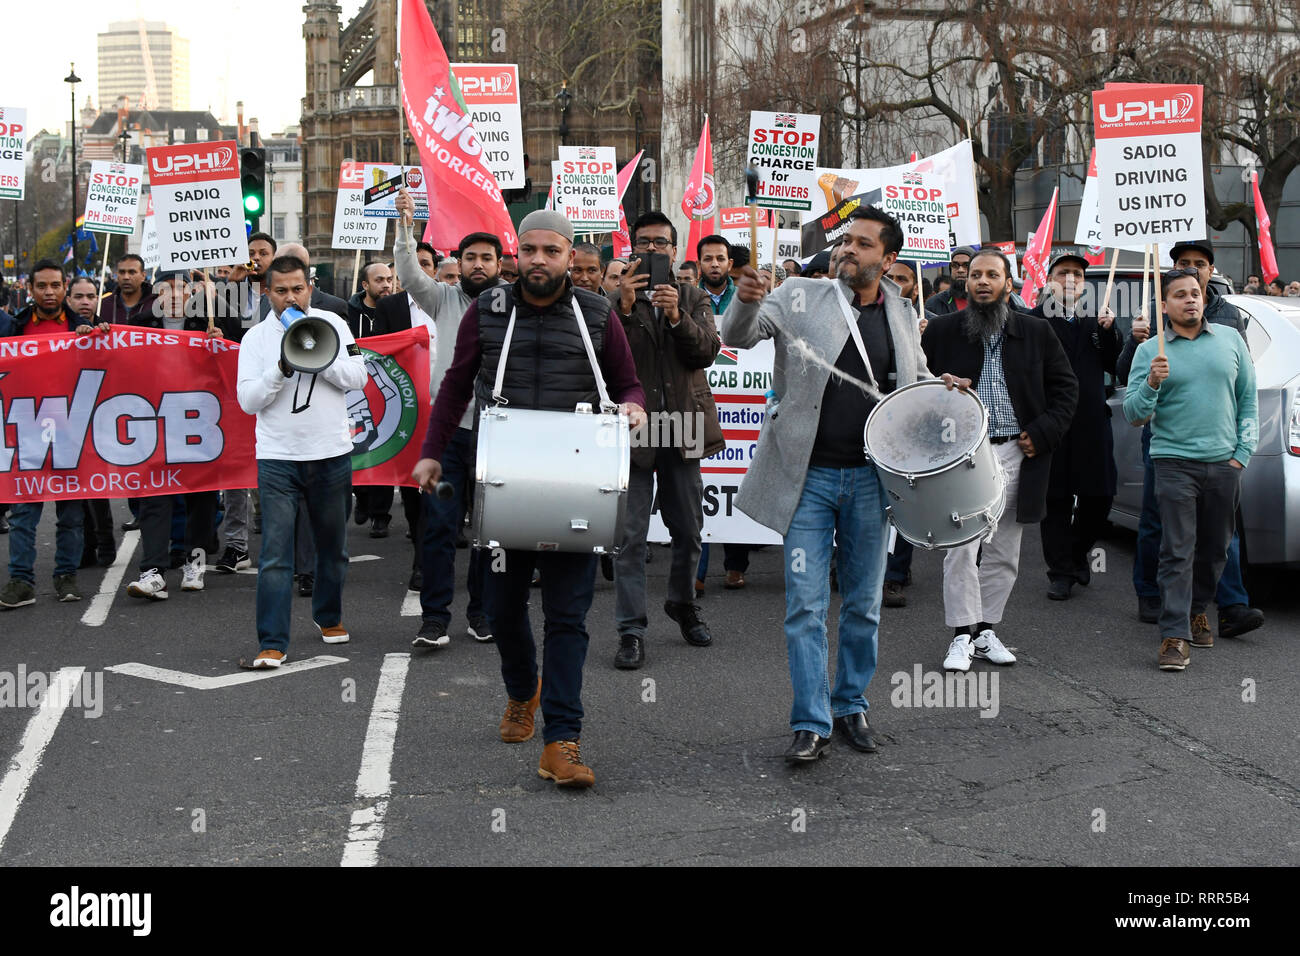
699,203
464,196
1267,257
621,238
141,412
1038,251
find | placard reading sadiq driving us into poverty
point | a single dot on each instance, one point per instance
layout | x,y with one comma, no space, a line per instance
198,207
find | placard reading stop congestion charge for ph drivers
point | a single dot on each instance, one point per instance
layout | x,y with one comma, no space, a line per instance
783,146
197,205
113,197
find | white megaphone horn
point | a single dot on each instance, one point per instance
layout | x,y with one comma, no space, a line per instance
310,344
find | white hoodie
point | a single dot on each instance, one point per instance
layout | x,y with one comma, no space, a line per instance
322,429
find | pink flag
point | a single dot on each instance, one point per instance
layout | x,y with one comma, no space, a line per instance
464,196
699,202
1038,251
1267,257
621,238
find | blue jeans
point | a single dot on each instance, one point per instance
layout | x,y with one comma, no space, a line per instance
325,487
1231,588
23,519
568,581
847,506
441,527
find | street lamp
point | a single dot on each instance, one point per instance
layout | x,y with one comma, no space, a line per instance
564,98
858,25
72,80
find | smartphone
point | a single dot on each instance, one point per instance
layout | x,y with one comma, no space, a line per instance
657,266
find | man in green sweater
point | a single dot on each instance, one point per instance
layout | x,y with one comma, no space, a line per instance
1200,399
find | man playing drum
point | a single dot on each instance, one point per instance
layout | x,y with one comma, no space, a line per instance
810,479
548,368
1016,365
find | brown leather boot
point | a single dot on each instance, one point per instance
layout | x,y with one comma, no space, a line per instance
517,724
562,762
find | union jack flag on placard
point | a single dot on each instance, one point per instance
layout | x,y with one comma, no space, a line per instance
785,120
586,152
911,179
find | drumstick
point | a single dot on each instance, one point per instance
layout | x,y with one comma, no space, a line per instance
751,187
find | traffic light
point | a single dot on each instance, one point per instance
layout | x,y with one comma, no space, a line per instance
252,180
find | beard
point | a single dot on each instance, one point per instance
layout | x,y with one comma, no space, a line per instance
985,320
475,289
862,275
958,288
545,288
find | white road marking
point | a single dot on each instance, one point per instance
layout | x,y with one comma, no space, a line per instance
37,736
196,682
102,602
411,604
374,784
355,559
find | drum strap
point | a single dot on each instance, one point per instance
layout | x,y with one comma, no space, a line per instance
856,333
605,404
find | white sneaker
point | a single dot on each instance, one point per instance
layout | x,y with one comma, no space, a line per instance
192,576
151,585
989,648
959,654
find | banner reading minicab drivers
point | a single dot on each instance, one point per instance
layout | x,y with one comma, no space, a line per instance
198,206
138,412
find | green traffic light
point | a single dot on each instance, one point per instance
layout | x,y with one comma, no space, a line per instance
252,204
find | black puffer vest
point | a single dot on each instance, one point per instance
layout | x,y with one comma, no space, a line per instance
548,366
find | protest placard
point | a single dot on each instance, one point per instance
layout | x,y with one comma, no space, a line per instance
379,190
1149,163
13,137
491,94
352,228
587,188
916,201
783,146
113,197
198,206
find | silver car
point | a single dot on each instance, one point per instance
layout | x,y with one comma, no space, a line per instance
1270,488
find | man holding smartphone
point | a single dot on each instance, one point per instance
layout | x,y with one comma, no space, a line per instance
673,339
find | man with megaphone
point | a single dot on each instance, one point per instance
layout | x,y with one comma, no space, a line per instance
295,369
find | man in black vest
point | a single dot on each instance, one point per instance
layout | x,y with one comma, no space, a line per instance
1083,465
548,369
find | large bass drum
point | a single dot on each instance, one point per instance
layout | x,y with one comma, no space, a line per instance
931,449
551,481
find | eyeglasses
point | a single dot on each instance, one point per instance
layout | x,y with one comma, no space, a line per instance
660,244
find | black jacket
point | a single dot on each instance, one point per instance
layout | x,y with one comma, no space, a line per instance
1042,387
1084,462
113,309
18,326
941,303
393,314
361,317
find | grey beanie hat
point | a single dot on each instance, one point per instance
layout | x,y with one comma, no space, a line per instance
547,219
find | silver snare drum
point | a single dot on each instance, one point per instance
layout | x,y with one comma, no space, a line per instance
931,449
550,481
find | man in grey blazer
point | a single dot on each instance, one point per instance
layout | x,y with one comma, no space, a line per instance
810,479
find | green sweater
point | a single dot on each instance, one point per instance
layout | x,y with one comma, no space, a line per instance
1207,409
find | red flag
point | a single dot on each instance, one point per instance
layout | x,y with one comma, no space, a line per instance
699,203
621,238
1037,253
464,196
1267,257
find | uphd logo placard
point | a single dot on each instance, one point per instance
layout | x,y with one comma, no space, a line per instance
1169,110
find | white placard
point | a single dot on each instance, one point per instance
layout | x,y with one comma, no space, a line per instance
784,148
587,188
376,174
352,228
13,139
149,236
491,94
1149,164
198,206
916,201
113,197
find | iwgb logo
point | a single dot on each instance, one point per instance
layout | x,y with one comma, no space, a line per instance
219,158
384,413
1169,110
702,202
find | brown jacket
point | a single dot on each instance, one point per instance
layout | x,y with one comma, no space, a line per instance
670,363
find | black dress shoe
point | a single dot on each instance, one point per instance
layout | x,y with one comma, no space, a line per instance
417,581
631,652
693,628
1059,589
1238,619
88,559
105,556
806,746
132,525
856,729
380,528
306,585
1084,575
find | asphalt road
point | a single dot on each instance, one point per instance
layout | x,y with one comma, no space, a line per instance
1093,756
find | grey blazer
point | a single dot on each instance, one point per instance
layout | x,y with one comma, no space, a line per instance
806,309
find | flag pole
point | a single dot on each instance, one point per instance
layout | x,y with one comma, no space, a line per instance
1110,280
103,276
1160,299
1146,269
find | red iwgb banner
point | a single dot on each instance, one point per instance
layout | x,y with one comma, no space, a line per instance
139,412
